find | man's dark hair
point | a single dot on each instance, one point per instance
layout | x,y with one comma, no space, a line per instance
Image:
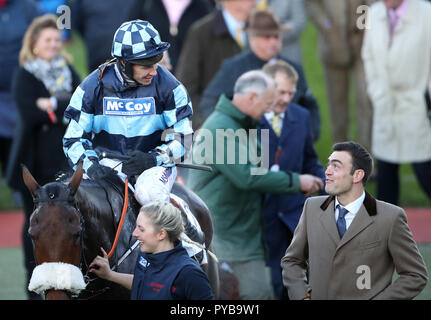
361,158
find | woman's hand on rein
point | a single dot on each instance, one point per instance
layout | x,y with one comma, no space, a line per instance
100,266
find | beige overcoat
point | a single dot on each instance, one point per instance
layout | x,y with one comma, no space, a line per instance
397,77
360,265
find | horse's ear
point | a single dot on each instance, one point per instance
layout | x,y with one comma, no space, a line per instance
29,181
76,179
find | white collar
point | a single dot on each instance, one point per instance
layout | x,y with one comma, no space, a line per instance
231,23
353,206
270,114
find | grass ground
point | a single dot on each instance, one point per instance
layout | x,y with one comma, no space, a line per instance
12,274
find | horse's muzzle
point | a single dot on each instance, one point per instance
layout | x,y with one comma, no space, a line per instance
57,276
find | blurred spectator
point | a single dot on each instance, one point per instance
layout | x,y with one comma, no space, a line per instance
166,61
42,88
264,32
97,22
397,59
291,13
51,6
15,16
209,41
290,149
172,18
340,42
234,190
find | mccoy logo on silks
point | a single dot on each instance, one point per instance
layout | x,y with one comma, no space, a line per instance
113,106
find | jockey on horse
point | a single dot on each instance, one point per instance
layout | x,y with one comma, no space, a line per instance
132,106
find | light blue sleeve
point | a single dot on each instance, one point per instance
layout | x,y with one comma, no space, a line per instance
77,144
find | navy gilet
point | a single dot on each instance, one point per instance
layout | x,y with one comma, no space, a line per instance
155,274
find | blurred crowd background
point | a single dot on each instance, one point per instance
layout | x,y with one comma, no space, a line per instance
339,77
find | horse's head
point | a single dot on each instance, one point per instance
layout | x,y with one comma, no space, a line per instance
55,228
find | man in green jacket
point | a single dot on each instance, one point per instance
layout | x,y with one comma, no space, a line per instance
234,190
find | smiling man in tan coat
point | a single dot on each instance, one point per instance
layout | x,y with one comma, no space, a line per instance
351,242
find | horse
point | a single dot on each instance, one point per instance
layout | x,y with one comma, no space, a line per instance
73,218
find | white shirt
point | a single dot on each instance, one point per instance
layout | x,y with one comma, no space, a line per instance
270,114
232,25
352,207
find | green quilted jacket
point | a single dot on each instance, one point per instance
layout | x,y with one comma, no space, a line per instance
232,193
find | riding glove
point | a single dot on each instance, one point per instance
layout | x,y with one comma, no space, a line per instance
97,171
139,162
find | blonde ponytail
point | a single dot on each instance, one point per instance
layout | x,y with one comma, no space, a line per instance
166,216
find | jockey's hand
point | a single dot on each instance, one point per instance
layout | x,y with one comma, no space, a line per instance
97,171
139,162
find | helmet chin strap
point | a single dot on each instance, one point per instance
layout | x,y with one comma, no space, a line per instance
127,69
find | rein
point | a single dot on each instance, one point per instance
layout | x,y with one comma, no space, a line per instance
123,216
70,200
114,245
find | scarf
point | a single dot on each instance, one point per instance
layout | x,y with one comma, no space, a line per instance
55,74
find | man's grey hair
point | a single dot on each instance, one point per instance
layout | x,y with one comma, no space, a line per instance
253,81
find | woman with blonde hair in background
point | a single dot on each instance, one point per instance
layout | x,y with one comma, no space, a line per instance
164,270
41,88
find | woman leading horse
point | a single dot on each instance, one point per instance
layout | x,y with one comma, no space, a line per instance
72,220
164,270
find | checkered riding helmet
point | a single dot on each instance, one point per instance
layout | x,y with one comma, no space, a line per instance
136,41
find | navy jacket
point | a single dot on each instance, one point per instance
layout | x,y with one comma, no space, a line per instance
108,114
232,68
169,275
297,154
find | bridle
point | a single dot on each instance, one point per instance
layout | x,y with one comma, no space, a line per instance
69,200
66,197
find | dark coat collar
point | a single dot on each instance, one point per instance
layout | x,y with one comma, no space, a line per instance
219,26
161,258
369,202
290,117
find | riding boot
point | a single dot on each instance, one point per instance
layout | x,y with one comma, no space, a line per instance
190,230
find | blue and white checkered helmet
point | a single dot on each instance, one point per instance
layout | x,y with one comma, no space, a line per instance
136,40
